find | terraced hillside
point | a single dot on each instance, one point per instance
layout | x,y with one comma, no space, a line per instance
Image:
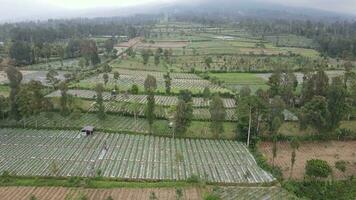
134,157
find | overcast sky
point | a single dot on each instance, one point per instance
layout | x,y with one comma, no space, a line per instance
22,9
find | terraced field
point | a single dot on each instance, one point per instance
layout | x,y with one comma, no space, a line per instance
142,99
111,123
254,193
135,157
60,193
128,78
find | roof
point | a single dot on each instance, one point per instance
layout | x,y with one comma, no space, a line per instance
88,128
289,116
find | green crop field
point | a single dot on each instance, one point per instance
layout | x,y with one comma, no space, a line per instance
135,157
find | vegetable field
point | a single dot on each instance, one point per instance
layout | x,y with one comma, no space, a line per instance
135,157
253,193
142,99
61,193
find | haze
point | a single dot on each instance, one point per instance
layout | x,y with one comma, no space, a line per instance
13,10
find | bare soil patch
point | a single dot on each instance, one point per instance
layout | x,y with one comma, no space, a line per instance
331,152
59,193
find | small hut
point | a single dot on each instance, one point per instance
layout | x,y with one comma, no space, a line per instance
88,130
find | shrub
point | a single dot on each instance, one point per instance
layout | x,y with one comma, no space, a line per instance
340,165
33,197
317,168
5,177
212,197
193,179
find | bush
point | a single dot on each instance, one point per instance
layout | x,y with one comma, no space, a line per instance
317,168
5,177
212,197
340,165
193,179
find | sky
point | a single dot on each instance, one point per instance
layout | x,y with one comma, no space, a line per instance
29,9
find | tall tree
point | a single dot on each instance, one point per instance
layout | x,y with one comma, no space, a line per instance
295,146
218,114
15,78
336,102
64,99
168,82
150,83
150,109
315,114
51,78
99,103
183,116
145,56
105,78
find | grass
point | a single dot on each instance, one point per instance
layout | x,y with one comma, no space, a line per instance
89,183
4,90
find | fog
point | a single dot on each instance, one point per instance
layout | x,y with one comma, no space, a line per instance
14,10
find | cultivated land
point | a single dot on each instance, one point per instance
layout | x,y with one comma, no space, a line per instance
133,157
331,152
60,193
253,193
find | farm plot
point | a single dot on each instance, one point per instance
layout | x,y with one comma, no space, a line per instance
329,151
54,120
160,112
68,65
253,193
330,74
163,45
31,75
135,157
61,193
235,81
142,99
126,81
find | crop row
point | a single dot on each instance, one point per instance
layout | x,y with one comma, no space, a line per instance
252,193
160,112
142,99
33,152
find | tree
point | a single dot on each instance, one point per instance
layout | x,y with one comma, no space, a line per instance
295,146
51,78
315,114
4,106
206,93
64,99
109,45
150,83
218,114
30,99
145,56
245,91
134,89
185,95
321,83
153,196
336,103
89,51
208,61
316,168
21,52
99,103
168,82
274,82
135,107
150,109
157,58
106,78
116,76
15,78
183,116
250,109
